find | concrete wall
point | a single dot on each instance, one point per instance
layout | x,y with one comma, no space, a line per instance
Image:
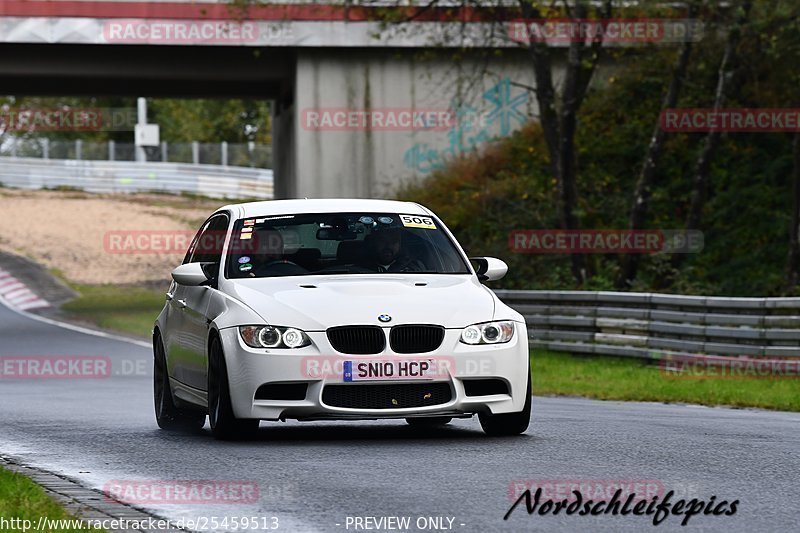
366,162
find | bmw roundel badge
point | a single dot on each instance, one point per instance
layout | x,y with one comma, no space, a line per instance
384,318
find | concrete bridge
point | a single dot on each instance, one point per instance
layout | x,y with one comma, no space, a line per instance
357,110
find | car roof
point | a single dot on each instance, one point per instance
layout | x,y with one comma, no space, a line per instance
322,205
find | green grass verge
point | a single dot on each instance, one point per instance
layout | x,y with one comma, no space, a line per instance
22,498
615,378
125,309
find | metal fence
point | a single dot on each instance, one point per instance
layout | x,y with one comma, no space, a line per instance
651,326
222,153
124,176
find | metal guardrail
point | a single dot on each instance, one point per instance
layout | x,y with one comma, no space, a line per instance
651,326
196,153
125,176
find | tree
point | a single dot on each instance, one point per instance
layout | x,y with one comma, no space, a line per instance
558,115
649,170
702,172
211,120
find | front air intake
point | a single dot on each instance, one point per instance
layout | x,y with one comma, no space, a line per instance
357,340
416,338
387,396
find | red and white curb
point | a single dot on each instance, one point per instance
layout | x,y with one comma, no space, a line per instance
17,295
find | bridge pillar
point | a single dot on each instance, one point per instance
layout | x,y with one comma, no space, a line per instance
318,155
284,165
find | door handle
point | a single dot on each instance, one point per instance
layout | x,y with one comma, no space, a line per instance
181,303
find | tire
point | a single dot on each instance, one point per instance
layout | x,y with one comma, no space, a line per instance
224,424
167,415
508,423
429,422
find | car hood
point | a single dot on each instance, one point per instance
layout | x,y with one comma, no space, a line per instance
315,303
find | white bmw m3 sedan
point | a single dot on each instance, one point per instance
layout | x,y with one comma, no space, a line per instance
336,310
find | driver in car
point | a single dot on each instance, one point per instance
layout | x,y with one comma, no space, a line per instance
386,253
269,258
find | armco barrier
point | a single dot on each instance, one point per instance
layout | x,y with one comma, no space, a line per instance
649,325
126,176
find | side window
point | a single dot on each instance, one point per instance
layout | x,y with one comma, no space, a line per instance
207,244
188,257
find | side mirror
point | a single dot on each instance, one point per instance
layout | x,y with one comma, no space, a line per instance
191,274
490,268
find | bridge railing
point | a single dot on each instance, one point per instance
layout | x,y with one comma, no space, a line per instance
198,153
125,176
646,325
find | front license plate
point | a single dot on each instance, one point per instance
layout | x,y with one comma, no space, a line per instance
387,370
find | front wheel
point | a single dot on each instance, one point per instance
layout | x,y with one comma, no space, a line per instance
167,415
224,424
508,423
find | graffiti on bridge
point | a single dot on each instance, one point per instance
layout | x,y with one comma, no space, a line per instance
472,128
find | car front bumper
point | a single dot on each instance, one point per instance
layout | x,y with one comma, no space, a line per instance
319,366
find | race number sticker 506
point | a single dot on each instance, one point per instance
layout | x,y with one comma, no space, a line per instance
415,221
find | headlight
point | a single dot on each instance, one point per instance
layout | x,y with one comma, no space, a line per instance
488,333
273,337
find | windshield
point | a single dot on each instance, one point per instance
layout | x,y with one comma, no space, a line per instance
340,243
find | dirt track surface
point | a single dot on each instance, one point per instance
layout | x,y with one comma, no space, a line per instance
97,239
